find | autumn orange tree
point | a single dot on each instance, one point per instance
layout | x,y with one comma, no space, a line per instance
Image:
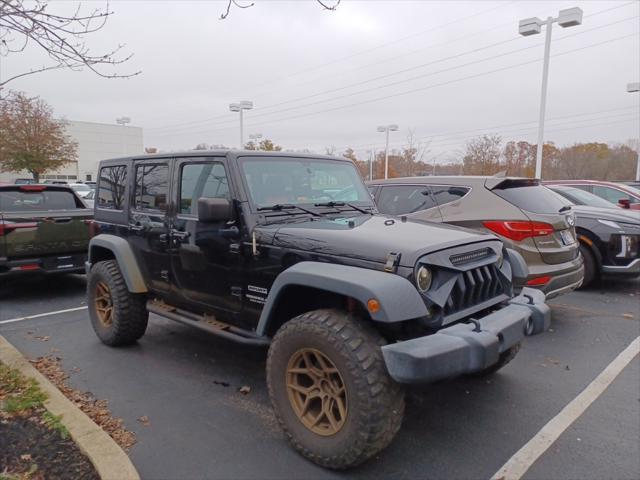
30,138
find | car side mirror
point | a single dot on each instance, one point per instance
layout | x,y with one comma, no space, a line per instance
212,210
624,203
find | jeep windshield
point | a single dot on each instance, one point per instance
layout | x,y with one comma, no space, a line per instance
297,184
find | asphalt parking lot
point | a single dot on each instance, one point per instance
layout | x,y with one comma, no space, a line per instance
201,426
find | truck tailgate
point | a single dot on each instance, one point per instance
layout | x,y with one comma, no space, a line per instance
38,223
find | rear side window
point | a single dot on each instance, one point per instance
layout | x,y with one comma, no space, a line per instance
111,183
151,187
612,195
448,193
403,199
531,198
201,180
22,201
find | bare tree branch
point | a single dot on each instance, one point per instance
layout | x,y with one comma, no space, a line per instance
61,37
231,3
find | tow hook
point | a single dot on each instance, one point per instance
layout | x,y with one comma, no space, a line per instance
476,324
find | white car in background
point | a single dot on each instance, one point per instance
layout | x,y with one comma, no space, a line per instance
90,198
81,189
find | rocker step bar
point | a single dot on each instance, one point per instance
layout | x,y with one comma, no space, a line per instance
207,324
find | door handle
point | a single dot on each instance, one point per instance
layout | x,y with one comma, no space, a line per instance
180,235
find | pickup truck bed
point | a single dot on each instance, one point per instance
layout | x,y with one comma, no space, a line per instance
43,228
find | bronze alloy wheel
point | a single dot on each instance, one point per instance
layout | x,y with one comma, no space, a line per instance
316,391
104,304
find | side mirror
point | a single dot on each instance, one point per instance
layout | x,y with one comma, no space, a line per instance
624,203
212,210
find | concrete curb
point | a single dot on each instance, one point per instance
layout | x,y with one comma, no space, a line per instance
109,460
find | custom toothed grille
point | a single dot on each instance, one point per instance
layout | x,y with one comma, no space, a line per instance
462,258
473,288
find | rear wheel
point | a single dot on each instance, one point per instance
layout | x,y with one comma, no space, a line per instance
118,316
330,389
590,265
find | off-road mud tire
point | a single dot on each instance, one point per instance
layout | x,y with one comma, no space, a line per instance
375,402
129,315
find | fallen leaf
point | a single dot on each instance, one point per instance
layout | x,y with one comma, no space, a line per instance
245,390
144,420
42,338
628,315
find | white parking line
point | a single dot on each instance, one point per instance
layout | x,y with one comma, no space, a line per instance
524,458
13,320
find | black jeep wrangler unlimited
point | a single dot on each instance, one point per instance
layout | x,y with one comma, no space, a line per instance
288,250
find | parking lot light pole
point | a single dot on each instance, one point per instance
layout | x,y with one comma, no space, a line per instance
569,17
241,107
635,88
386,129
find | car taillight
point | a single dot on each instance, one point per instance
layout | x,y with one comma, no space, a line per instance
32,188
5,228
519,230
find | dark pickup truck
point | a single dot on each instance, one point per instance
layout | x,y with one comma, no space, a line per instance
43,228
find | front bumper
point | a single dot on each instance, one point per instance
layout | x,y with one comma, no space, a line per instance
632,269
468,347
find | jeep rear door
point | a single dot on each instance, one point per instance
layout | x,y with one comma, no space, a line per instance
148,227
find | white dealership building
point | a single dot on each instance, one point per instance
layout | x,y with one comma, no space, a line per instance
96,141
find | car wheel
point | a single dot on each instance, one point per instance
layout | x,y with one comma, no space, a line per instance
330,389
590,266
118,316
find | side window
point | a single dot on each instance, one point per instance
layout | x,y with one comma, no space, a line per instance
401,199
448,193
111,184
611,194
151,187
201,180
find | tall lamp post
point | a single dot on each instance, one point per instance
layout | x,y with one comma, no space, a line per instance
123,121
635,88
569,17
255,138
241,107
386,129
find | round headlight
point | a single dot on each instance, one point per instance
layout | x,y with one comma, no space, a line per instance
424,278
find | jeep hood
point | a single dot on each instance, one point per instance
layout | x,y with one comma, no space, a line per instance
370,238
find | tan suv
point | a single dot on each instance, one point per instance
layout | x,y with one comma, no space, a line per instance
530,220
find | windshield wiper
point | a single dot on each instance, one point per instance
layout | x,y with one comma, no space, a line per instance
341,204
288,206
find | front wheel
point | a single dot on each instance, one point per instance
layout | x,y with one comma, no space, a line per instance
330,389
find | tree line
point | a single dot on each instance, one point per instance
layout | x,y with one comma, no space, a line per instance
32,139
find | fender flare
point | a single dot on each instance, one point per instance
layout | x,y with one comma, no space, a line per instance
398,297
125,258
519,268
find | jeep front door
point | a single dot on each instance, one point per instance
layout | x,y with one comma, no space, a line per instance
205,259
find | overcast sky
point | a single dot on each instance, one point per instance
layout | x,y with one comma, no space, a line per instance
446,70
